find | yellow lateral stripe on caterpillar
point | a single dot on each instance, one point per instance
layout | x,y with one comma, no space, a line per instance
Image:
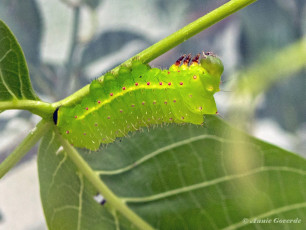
113,97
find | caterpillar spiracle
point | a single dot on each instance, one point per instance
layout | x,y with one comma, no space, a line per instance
141,96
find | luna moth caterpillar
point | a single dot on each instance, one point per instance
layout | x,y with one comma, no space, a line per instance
141,96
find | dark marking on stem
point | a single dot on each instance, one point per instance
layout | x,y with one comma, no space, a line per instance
55,115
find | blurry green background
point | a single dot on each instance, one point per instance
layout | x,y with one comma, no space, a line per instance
69,43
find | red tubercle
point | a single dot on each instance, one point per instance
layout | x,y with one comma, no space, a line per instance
195,60
143,103
160,83
195,77
86,108
108,117
67,132
165,102
169,83
133,105
178,71
75,116
136,84
181,83
168,72
148,83
84,134
187,59
120,110
111,94
178,61
123,88
174,101
99,102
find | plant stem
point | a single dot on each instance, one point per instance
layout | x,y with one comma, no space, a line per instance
96,181
40,108
191,29
41,128
171,41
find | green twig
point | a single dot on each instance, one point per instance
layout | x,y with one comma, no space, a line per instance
40,108
111,198
171,41
33,137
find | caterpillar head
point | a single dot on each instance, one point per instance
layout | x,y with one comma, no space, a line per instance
212,64
213,68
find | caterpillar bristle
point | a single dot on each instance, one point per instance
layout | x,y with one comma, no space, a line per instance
219,115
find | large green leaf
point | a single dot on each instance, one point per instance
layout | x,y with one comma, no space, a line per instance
178,177
66,195
14,76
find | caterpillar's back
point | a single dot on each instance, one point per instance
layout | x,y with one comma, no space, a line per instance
141,96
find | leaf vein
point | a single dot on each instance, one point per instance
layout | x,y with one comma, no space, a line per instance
161,150
210,183
6,86
6,53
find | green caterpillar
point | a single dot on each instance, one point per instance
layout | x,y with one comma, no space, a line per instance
141,96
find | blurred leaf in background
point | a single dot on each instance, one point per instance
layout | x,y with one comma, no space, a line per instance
25,21
264,33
